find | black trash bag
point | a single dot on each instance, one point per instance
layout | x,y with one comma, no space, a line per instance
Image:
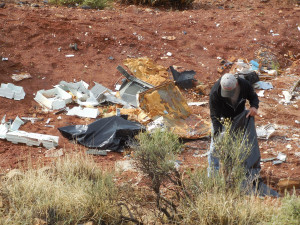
252,163
250,76
107,133
184,79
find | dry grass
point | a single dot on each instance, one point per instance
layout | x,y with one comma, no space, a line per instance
74,190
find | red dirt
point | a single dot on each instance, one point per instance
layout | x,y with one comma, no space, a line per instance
31,36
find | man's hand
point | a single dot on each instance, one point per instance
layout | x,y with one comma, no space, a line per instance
252,112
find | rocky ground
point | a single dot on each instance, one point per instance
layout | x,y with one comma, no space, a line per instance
35,38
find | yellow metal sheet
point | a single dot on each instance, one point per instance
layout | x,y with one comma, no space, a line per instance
162,100
147,70
166,100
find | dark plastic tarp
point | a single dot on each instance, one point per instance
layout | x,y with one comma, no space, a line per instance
184,79
107,133
252,163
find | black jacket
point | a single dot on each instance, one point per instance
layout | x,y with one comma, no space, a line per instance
221,107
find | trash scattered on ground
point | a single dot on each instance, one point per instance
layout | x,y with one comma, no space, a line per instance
16,124
83,112
21,76
53,152
32,139
69,56
184,79
106,133
197,103
12,91
54,99
96,152
32,119
4,59
169,38
263,85
287,97
73,46
280,158
261,93
265,132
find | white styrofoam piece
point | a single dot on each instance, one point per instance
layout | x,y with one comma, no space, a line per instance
16,124
83,112
12,91
55,98
3,130
32,139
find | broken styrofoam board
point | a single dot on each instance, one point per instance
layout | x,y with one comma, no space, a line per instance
3,130
197,103
83,112
16,124
78,89
32,139
55,98
12,91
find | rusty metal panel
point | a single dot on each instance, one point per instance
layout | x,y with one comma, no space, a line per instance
162,100
166,100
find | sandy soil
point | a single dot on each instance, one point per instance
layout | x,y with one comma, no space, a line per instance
36,39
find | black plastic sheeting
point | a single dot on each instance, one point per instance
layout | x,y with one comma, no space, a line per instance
184,79
108,133
252,163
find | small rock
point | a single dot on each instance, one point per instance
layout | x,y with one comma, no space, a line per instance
111,58
86,7
2,5
35,5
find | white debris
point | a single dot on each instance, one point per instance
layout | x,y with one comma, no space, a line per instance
287,96
263,85
157,123
197,103
265,132
69,56
83,112
55,98
281,157
12,91
289,146
16,124
32,139
169,54
4,59
261,93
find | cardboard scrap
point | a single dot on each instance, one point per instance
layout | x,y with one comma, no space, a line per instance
21,76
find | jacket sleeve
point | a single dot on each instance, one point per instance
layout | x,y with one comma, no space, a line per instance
215,114
252,96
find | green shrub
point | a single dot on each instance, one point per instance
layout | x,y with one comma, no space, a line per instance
232,148
72,191
94,4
